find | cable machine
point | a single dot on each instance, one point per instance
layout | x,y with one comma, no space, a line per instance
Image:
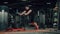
3,17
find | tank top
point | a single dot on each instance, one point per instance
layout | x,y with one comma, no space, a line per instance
32,13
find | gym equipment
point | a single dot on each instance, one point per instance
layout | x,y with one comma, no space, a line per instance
41,18
3,17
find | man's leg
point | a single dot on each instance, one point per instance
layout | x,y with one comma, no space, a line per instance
33,22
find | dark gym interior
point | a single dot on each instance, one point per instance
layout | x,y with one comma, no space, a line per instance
46,13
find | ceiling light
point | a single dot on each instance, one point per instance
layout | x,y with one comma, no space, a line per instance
48,3
5,2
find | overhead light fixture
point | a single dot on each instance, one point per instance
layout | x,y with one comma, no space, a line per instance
29,5
23,0
10,8
5,2
48,3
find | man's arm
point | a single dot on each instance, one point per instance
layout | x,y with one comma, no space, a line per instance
22,13
28,12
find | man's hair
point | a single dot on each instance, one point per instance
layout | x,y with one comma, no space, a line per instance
27,6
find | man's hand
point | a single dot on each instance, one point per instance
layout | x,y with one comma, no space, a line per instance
20,14
25,14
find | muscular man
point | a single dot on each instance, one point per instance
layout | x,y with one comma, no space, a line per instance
30,13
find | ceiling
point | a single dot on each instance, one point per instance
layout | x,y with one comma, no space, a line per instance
18,3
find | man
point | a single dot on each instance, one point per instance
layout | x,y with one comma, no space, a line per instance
30,13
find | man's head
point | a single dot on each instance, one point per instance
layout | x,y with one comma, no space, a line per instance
27,7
